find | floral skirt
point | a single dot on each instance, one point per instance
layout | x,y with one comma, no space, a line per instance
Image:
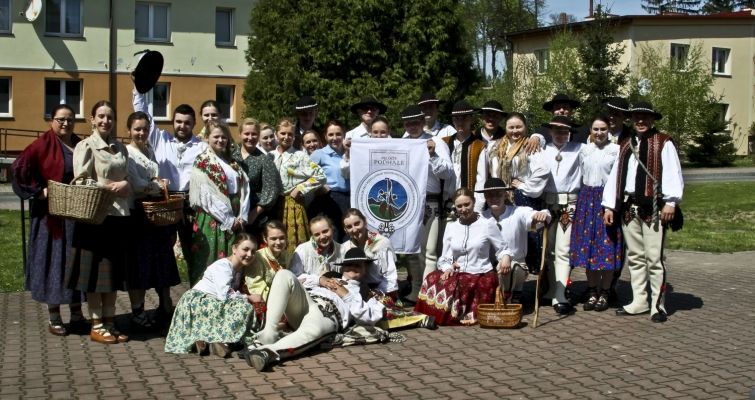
200,316
455,298
594,246
294,215
208,242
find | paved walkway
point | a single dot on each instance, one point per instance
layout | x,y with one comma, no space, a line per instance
705,350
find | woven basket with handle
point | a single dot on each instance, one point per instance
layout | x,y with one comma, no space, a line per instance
83,203
164,212
500,314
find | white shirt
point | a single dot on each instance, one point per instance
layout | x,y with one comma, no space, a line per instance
141,170
232,177
351,306
439,130
597,163
307,265
470,246
382,271
359,131
218,279
174,158
534,177
672,182
566,175
513,225
440,164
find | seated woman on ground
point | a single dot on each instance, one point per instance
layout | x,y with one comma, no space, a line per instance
465,277
214,311
314,312
381,274
258,276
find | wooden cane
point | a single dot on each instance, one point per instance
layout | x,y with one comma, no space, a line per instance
540,275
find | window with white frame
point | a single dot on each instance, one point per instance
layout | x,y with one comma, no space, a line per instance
224,97
5,97
158,101
679,54
224,27
542,60
63,17
152,22
59,91
721,61
4,16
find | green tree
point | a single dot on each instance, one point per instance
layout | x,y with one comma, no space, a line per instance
713,147
341,50
684,96
600,75
671,6
718,6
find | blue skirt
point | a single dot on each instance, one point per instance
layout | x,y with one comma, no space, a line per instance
594,246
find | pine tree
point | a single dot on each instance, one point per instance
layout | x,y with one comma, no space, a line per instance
341,50
671,6
600,75
713,147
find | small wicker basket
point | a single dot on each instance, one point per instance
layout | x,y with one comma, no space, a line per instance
82,203
164,212
500,314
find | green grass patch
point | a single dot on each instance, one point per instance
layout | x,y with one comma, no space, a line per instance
718,218
11,261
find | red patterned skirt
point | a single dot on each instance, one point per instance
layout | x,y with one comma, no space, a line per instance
454,299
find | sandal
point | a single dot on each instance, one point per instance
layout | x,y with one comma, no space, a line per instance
110,326
57,328
100,334
602,303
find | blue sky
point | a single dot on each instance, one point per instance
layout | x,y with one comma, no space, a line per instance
580,8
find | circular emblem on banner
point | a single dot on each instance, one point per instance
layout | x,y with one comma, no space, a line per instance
389,198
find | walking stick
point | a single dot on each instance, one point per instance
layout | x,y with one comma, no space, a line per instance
540,275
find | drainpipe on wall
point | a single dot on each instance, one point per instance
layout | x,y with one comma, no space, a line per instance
112,57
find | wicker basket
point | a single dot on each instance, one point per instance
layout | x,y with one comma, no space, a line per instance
500,314
164,212
83,203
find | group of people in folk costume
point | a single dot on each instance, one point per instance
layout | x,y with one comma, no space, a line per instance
272,243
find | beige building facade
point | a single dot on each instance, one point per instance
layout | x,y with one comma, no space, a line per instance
74,52
728,40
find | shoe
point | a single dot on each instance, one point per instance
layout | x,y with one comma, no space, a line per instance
621,312
201,347
259,359
141,322
592,300
562,308
57,329
602,303
429,323
220,350
100,334
659,317
79,327
110,326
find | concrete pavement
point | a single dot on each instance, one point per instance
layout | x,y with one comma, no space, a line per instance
705,351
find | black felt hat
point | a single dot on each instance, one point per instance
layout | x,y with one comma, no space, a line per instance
354,255
462,107
646,107
305,103
428,97
412,112
560,98
494,184
559,121
369,101
495,106
617,103
148,71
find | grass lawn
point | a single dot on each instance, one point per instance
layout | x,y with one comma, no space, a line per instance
719,217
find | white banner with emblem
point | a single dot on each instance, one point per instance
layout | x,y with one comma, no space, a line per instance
388,184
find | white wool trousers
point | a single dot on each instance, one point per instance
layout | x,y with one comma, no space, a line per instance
422,264
557,253
644,259
288,297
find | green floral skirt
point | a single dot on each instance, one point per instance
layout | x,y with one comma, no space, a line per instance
200,316
208,242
